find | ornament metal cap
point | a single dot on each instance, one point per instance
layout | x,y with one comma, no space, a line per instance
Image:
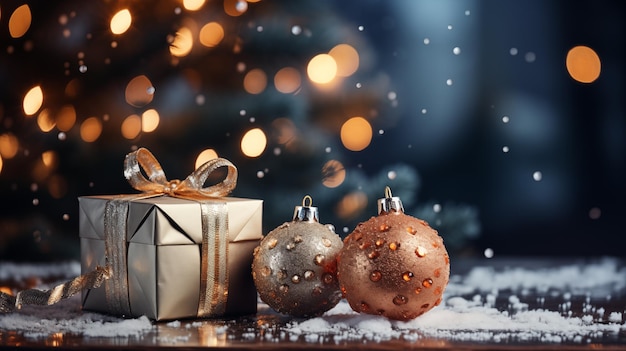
306,212
390,203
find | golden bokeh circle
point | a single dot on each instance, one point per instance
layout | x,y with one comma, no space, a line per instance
583,64
356,134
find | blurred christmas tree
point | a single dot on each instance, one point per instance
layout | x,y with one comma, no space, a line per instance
293,93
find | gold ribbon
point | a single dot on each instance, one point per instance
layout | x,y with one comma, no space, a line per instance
214,260
116,289
93,279
190,188
214,248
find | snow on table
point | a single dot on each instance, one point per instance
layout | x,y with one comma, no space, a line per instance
581,303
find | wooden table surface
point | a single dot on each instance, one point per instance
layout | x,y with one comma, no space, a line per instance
269,330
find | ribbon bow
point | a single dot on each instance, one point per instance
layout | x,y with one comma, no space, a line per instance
191,187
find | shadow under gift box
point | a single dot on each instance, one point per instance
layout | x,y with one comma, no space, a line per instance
163,251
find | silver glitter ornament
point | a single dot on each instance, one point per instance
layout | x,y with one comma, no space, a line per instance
394,264
295,268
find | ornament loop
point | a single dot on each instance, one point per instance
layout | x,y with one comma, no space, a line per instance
307,197
306,213
390,203
388,192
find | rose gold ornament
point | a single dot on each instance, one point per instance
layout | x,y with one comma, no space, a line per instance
394,264
295,268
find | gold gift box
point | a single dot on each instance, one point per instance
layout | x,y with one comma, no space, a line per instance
163,255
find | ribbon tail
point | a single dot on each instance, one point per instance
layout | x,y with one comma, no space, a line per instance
91,280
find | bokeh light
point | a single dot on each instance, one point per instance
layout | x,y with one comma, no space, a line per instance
131,127
33,100
351,205
333,174
40,171
322,69
72,88
139,91
50,158
90,129
283,130
594,212
235,7
19,22
193,5
205,156
45,121
356,134
488,253
211,34
9,145
347,59
150,120
121,21
1,164
183,43
253,142
66,118
287,80
255,81
583,64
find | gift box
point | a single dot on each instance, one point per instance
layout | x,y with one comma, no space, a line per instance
170,255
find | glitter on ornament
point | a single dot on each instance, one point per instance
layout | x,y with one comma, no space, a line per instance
294,267
393,265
